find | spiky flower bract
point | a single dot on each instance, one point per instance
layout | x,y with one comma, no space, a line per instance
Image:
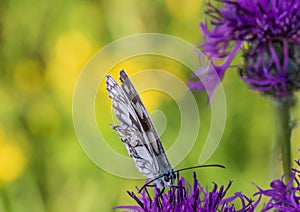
191,197
283,196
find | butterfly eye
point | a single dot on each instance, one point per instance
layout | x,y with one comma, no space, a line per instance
166,178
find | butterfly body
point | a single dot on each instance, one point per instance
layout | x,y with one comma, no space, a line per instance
138,133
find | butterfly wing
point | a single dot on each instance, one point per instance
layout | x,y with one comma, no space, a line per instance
131,130
147,125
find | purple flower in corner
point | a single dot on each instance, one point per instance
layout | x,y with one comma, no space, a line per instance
190,197
267,32
283,196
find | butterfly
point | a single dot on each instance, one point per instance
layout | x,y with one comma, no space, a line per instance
138,133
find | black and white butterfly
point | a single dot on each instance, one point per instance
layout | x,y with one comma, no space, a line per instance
138,133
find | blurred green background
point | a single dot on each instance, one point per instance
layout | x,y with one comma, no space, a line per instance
44,46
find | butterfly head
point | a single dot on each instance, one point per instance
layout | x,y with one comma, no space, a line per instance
166,180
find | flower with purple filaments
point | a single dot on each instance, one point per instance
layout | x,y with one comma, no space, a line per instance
268,34
283,196
190,197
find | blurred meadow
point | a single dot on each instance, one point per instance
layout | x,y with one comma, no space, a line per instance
44,45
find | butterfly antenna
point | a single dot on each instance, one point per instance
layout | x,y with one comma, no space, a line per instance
147,184
179,170
200,166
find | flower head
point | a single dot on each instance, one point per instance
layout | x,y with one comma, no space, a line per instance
268,32
190,197
283,196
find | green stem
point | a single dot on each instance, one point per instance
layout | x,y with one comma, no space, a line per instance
283,134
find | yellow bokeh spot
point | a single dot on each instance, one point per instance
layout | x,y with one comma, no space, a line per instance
12,159
73,49
71,53
28,76
184,10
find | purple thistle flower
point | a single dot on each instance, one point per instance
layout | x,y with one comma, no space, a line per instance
268,33
178,199
283,196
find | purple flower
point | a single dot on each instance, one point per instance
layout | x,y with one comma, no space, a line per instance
190,197
267,32
283,196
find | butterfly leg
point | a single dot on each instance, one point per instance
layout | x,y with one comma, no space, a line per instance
151,186
161,192
181,193
148,193
177,175
181,188
159,198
